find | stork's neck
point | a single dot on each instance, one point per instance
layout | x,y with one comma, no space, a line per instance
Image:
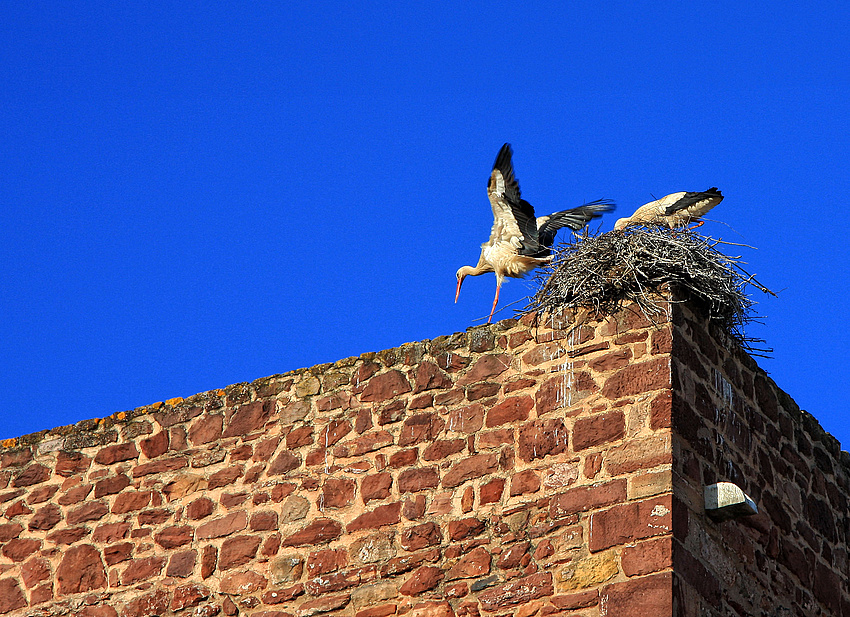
475,271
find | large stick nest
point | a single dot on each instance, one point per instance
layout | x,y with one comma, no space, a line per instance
641,265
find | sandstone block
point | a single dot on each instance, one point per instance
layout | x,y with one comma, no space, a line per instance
589,571
186,596
248,418
325,561
45,518
598,429
322,605
337,493
485,367
630,522
638,378
467,419
319,531
419,428
583,498
243,583
90,511
206,429
422,579
302,436
421,536
155,446
525,482
237,551
11,596
647,557
542,438
224,526
492,491
418,479
199,508
648,595
384,387
285,462
142,569
368,442
116,453
465,528
471,467
375,486
172,537
474,564
512,409
110,532
81,569
182,564
442,448
519,591
33,474
71,463
428,376
381,516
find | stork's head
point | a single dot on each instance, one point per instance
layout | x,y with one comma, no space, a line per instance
621,224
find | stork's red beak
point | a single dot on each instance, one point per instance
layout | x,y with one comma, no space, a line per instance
459,283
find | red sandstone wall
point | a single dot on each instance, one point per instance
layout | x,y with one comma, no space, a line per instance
503,471
731,423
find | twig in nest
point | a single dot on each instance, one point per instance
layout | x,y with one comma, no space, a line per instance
607,271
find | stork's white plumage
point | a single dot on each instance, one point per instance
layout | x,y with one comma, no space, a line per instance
519,242
674,210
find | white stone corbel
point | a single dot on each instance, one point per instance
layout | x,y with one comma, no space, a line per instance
724,501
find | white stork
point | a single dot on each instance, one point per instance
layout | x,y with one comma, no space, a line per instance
519,242
674,210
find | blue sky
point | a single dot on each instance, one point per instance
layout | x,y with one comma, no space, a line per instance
193,196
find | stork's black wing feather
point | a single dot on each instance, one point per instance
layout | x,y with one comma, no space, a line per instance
522,211
689,199
575,219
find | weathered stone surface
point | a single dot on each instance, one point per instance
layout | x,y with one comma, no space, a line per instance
418,479
130,501
237,551
81,569
637,378
172,537
375,486
286,569
599,429
421,536
161,465
647,557
11,596
443,448
465,528
325,561
648,595
589,571
206,429
472,565
428,376
20,548
142,569
337,493
199,508
116,453
491,492
471,467
519,591
525,482
375,548
583,498
243,583
629,522
381,516
285,462
368,442
224,526
293,508
422,579
564,390
71,463
302,436
186,596
467,419
319,531
182,564
512,409
322,605
542,438
154,446
250,417
45,518
419,428
384,387
32,474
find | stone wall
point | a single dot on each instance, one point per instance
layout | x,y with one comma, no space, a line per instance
732,423
513,469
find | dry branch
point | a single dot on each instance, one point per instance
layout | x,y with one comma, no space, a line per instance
602,273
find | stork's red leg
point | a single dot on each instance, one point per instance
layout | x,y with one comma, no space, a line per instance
699,224
495,301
